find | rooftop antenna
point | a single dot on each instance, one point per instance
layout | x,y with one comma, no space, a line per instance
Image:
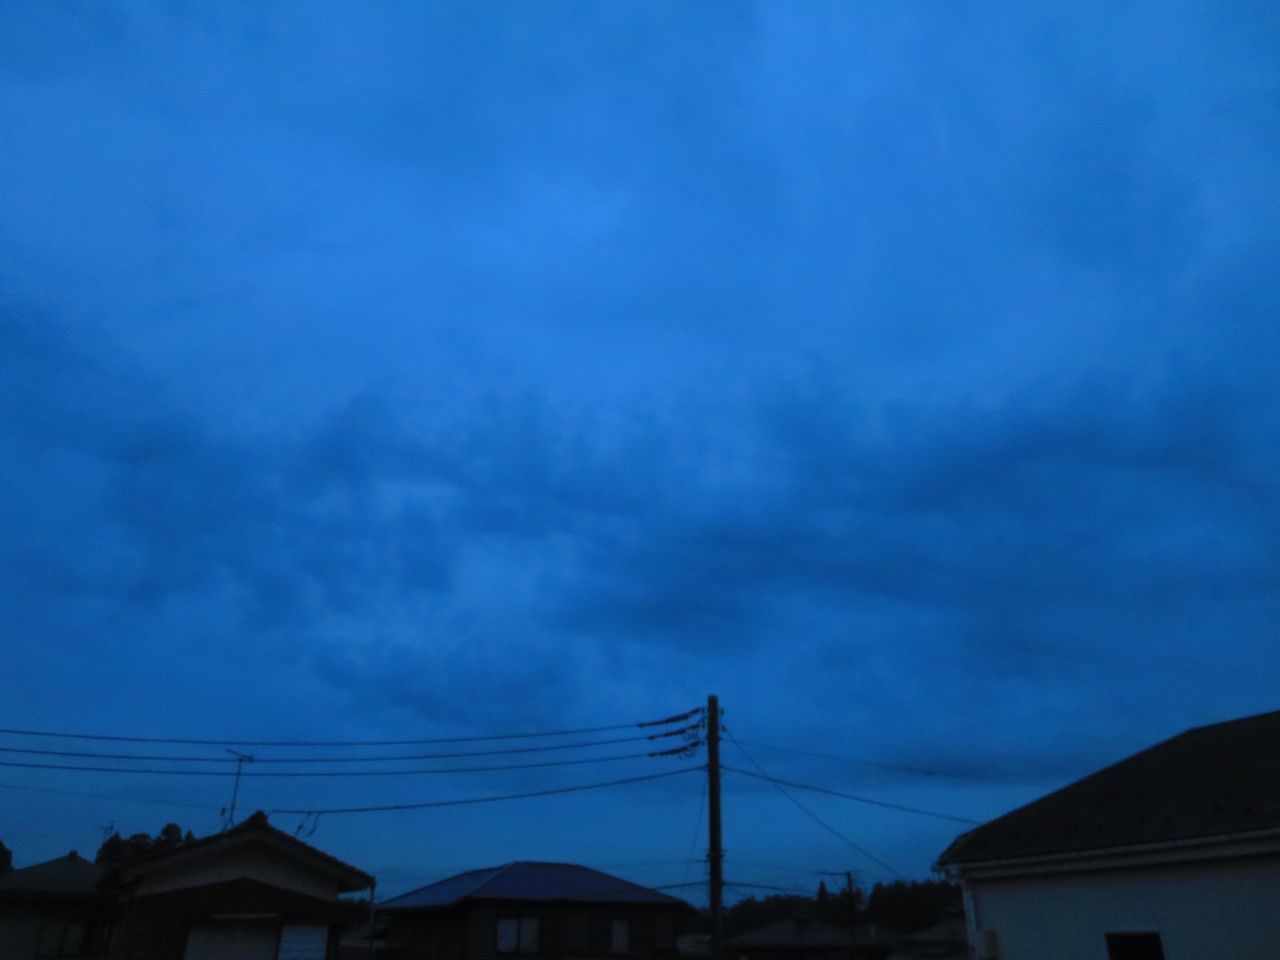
241,760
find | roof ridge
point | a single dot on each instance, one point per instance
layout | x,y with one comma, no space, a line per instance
257,822
452,876
515,879
1146,797
1224,723
496,874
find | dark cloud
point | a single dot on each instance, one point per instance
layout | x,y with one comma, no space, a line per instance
907,380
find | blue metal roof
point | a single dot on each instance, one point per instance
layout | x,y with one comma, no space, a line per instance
530,880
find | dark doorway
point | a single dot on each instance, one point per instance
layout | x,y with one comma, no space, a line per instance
1134,946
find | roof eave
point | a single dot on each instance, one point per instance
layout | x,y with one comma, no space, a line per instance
1234,844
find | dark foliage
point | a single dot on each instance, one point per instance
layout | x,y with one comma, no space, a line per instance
6,858
117,849
901,906
911,906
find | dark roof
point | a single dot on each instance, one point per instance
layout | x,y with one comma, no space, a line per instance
71,875
798,932
951,930
253,827
1207,782
529,880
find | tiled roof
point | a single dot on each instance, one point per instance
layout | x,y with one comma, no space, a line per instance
798,932
529,880
1207,782
254,825
71,874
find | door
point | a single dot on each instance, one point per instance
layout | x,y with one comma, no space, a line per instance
233,940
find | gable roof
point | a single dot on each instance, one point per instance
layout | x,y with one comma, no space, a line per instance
530,880
70,876
250,830
797,932
1208,782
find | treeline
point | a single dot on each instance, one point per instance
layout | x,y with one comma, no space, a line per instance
117,849
904,906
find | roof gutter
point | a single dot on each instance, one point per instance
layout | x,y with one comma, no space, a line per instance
1017,865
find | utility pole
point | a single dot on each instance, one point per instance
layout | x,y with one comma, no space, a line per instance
715,853
853,916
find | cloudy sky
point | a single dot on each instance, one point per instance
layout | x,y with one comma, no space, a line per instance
903,373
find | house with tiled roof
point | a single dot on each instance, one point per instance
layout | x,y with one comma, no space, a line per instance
58,908
251,892
1171,853
803,938
531,908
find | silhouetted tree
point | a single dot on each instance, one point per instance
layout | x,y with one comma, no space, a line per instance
903,906
6,858
117,849
913,906
750,913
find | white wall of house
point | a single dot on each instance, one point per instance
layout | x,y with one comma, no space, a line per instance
1222,909
257,862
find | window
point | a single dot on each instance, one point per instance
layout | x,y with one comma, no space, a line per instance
665,932
68,937
519,935
620,936
1134,946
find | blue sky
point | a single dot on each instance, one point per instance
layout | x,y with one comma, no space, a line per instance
903,373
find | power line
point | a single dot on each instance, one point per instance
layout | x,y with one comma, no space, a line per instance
507,751
900,768
107,796
346,743
850,796
697,831
810,814
778,866
796,891
676,886
296,774
510,796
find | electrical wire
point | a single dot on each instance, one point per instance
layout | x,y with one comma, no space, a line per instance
472,800
295,774
809,813
850,796
697,831
676,886
796,891
347,743
507,751
107,796
900,768
778,866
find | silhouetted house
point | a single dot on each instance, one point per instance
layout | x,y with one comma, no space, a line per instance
58,908
943,941
250,893
804,939
538,909
1174,852
797,939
